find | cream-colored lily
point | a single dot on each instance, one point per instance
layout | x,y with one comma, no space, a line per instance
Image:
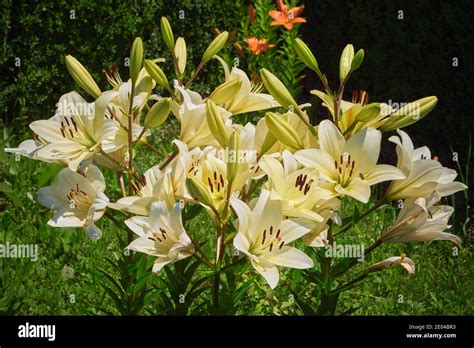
421,220
248,98
161,235
155,186
423,175
264,237
213,175
192,116
297,189
78,199
78,131
350,167
327,209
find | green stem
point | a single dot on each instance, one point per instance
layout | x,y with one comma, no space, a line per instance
363,215
193,76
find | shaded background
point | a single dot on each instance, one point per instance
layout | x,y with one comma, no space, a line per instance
406,59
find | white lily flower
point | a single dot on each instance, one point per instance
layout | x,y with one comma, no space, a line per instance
213,174
155,186
264,237
78,199
298,190
78,131
318,235
350,166
423,175
192,116
248,98
161,234
421,220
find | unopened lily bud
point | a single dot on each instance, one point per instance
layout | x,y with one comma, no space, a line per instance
136,58
233,158
278,90
216,123
358,59
402,260
156,73
199,191
82,77
306,55
282,130
226,91
216,45
181,55
167,33
268,142
158,113
368,112
346,61
409,114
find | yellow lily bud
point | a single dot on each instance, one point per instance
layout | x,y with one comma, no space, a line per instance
282,130
233,148
156,73
158,113
278,90
167,33
199,191
216,123
306,55
346,61
180,53
136,58
226,91
358,59
368,112
82,77
409,114
216,45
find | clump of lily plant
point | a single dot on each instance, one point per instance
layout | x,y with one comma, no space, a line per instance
271,192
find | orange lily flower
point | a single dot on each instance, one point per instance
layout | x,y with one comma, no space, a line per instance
286,17
257,46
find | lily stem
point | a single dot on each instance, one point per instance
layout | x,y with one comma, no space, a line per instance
363,215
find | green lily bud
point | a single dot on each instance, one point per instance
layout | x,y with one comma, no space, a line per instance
216,123
409,114
306,55
158,113
216,45
226,91
368,112
199,191
167,33
136,58
282,130
82,77
278,90
180,53
268,142
233,148
346,61
156,73
358,59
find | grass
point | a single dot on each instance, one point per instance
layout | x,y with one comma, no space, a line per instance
442,284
